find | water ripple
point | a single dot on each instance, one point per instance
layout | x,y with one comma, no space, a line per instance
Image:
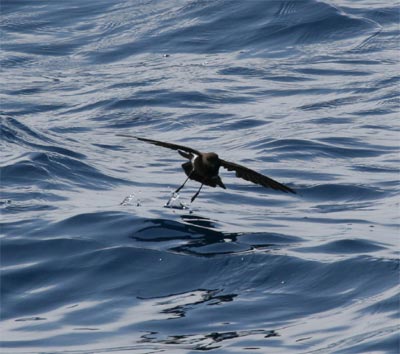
304,92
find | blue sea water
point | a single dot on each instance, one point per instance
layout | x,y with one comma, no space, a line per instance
306,92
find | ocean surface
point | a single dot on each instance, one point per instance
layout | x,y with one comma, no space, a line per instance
306,92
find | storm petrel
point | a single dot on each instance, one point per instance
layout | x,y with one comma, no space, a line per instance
203,167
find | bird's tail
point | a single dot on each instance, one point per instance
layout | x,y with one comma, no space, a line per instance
187,167
219,182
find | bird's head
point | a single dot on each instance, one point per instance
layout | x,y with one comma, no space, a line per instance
212,159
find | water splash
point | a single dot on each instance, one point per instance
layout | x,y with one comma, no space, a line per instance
131,199
174,202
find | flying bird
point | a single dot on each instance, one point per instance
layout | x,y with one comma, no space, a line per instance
203,167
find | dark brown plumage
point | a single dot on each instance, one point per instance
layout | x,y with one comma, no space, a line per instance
204,168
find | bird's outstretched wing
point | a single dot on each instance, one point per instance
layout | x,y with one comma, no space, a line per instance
255,177
163,144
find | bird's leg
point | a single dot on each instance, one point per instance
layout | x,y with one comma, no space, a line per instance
183,184
178,189
197,193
